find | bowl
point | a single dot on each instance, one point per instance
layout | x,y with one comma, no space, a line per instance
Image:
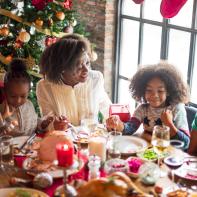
173,161
134,165
177,144
116,165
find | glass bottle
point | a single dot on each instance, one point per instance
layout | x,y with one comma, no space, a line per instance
94,167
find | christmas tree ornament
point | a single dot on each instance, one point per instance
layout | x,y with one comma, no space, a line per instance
4,31
9,58
39,22
73,23
138,1
18,44
69,29
32,30
24,36
170,8
50,22
30,62
60,15
94,56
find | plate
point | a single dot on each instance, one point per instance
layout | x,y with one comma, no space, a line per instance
187,170
18,142
6,192
130,145
53,169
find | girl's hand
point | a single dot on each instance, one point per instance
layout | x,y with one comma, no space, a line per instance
114,123
8,110
45,123
167,117
60,123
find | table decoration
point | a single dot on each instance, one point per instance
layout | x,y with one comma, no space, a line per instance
97,146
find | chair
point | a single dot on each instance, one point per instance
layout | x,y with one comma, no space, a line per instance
191,111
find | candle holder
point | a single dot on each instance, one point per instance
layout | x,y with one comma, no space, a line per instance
69,163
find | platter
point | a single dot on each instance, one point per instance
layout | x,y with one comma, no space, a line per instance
130,145
11,192
36,166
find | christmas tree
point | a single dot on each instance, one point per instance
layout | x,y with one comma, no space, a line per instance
28,26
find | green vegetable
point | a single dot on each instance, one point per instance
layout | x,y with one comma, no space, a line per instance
150,154
22,193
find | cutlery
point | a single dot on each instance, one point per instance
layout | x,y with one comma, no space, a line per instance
28,141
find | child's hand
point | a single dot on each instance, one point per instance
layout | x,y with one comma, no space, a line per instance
60,123
167,117
8,110
114,123
45,123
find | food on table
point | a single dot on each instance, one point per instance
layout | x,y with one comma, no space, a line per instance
158,189
178,193
47,151
24,193
149,154
134,164
116,165
117,184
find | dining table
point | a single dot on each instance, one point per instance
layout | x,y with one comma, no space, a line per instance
167,183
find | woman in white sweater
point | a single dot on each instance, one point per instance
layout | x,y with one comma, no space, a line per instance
69,87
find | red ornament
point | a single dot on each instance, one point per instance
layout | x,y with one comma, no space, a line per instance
40,4
67,4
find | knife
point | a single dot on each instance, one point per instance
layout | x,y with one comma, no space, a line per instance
29,139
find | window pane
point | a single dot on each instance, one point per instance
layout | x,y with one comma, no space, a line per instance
179,42
130,8
193,97
129,48
151,44
152,10
124,96
184,17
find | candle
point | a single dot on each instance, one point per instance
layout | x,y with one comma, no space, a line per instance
64,154
97,146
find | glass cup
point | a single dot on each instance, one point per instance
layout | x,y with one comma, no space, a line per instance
89,123
112,145
6,150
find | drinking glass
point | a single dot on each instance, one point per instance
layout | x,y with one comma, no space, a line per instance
112,145
160,141
6,150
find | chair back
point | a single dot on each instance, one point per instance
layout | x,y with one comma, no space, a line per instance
191,112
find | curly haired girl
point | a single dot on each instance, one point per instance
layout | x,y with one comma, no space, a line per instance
162,93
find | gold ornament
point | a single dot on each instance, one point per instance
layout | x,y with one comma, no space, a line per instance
60,15
24,36
39,22
4,31
9,58
30,62
73,23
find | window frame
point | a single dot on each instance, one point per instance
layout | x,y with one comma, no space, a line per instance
166,26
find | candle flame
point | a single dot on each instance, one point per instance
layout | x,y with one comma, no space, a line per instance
65,147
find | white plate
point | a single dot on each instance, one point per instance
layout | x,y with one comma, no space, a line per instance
57,173
129,145
18,141
5,192
188,170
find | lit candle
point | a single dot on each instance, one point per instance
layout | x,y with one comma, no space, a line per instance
97,146
64,154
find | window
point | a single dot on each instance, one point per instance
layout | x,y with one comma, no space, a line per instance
144,37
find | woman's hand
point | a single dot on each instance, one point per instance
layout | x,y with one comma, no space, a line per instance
114,123
60,123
